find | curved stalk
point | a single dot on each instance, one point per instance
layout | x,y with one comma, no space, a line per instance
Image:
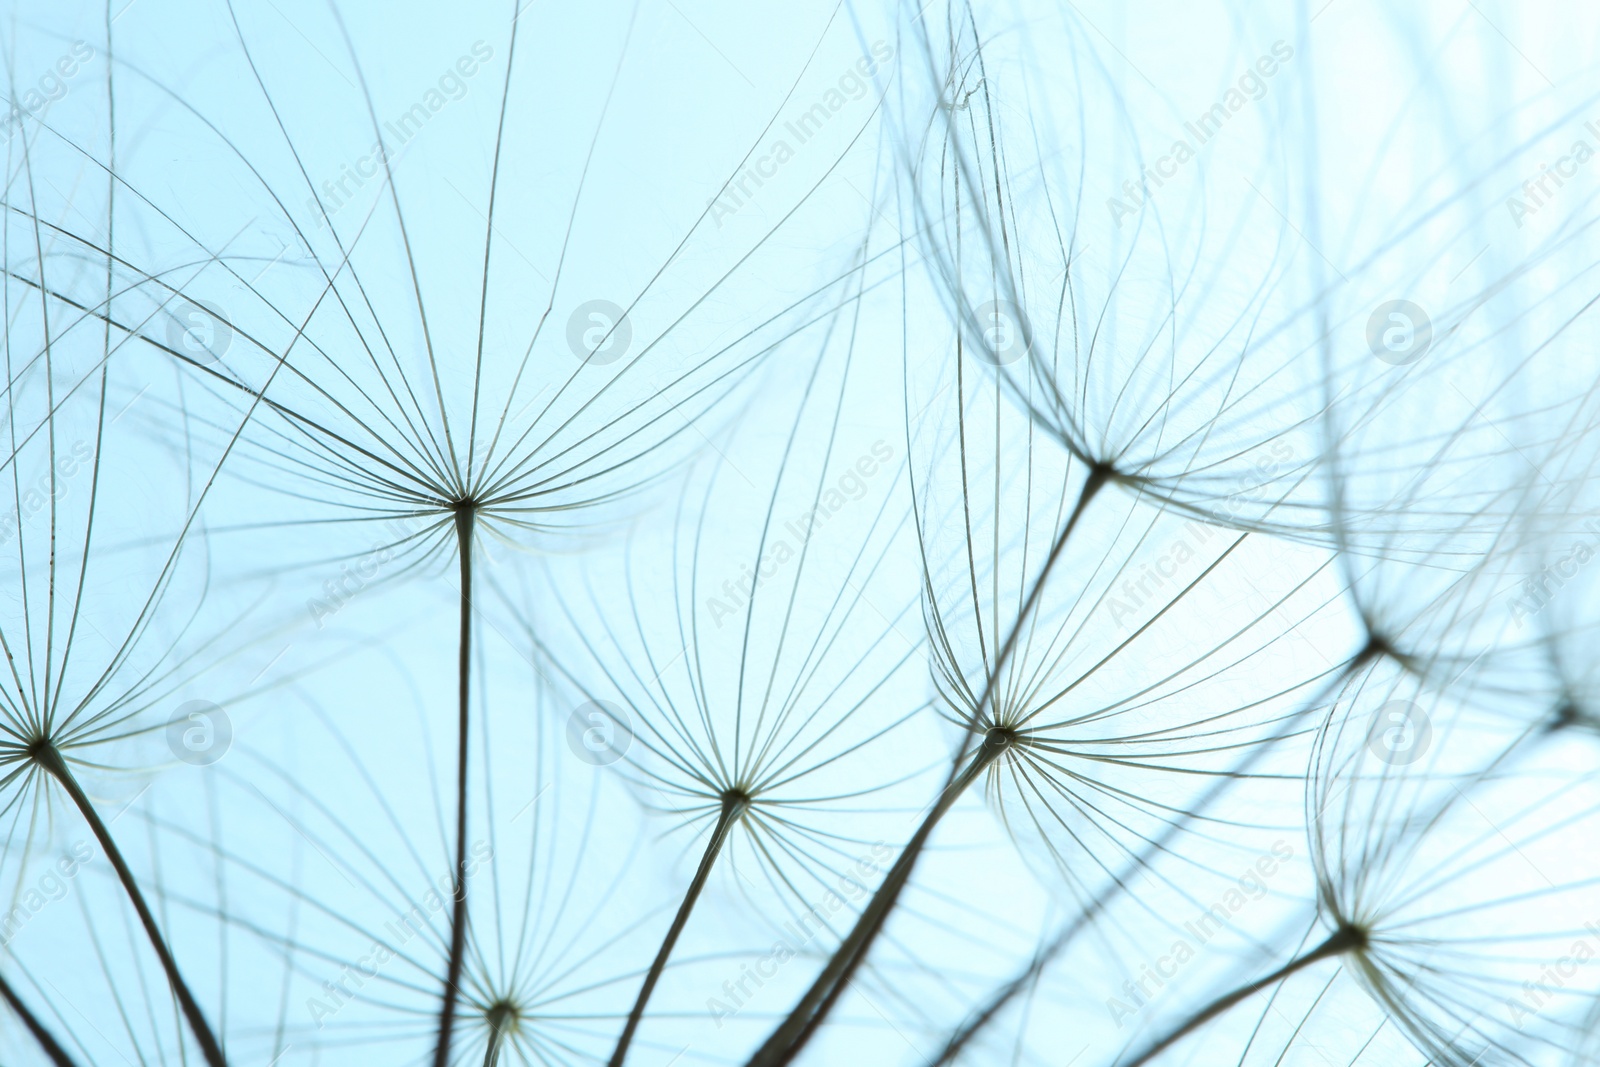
1342,940
48,757
733,807
502,1017
46,1040
458,913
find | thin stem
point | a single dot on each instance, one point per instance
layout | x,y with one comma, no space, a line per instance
502,1017
47,1041
51,760
1342,940
796,1029
733,807
458,914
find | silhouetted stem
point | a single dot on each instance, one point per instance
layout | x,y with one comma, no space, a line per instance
1343,940
500,1021
732,809
458,913
796,1029
50,759
52,1048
